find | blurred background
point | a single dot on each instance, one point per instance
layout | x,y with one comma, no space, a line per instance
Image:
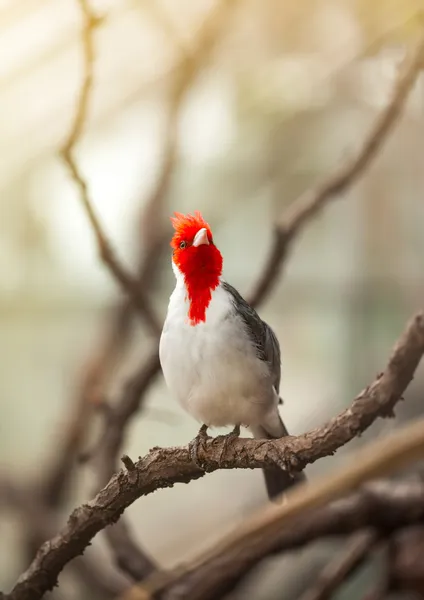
233,108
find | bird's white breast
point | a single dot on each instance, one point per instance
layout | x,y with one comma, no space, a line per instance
212,367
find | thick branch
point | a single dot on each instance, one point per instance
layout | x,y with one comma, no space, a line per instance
308,205
163,467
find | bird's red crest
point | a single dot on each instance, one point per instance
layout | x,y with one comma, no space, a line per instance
186,227
200,265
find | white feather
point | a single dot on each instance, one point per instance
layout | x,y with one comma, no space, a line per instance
212,367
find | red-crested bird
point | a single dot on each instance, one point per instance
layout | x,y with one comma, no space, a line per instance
218,357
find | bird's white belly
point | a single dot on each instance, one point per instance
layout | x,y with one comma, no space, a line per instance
214,372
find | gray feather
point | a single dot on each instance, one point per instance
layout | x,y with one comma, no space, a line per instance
267,349
260,333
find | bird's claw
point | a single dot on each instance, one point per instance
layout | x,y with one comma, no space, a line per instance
235,433
196,443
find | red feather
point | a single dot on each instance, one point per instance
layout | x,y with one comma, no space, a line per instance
186,227
200,266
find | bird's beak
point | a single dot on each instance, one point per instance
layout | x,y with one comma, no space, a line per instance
201,237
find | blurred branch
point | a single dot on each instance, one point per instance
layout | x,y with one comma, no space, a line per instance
308,205
136,387
343,566
256,537
380,507
128,556
405,564
56,477
163,467
127,282
119,416
40,523
382,589
161,16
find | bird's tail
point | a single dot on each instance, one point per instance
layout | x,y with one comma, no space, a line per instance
277,481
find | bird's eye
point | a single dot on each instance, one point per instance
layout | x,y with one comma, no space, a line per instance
183,244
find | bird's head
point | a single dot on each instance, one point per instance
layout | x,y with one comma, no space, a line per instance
198,260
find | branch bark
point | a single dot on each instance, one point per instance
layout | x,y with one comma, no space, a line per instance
163,467
308,205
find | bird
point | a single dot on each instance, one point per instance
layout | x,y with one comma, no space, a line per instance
218,357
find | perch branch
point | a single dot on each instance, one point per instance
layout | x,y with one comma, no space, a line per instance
128,283
163,467
250,540
308,205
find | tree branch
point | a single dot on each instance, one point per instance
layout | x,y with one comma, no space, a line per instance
40,523
303,209
345,563
128,283
136,387
127,555
163,467
379,508
406,561
308,205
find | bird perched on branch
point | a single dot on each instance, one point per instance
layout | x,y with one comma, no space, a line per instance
218,357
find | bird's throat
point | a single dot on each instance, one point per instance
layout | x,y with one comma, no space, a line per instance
199,295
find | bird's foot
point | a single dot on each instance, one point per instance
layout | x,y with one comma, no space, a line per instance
235,433
194,445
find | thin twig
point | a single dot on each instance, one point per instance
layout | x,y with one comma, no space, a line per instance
308,205
129,403
128,283
165,467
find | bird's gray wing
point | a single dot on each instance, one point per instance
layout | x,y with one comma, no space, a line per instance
260,334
